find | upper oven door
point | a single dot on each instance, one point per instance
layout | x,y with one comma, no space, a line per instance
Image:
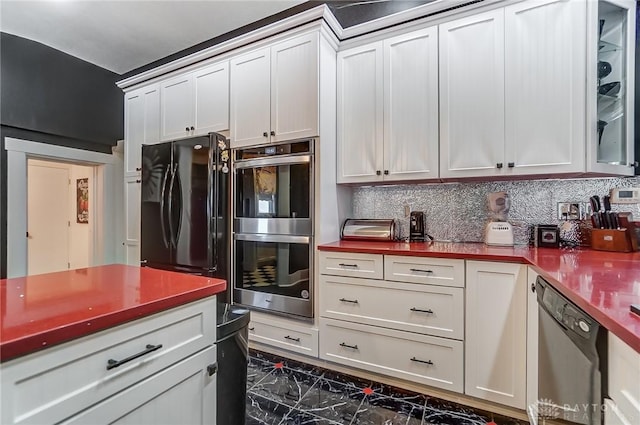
274,195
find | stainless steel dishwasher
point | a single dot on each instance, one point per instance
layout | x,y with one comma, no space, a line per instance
572,362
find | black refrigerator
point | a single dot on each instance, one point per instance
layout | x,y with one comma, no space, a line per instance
185,206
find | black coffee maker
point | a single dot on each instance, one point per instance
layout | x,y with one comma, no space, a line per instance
416,226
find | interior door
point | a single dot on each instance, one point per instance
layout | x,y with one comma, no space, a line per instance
48,218
154,227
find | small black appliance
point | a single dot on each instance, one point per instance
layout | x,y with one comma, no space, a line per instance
416,226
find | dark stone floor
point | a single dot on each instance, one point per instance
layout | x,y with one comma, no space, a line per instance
283,391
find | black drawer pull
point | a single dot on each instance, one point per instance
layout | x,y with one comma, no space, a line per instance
421,271
344,300
421,311
348,265
252,329
342,344
115,363
429,362
212,369
292,338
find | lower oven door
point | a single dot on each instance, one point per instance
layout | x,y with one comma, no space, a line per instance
274,272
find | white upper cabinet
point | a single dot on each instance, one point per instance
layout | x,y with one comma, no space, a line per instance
472,96
360,114
274,93
142,113
512,91
545,54
388,109
195,103
411,106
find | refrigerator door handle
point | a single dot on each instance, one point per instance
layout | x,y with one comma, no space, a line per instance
172,235
162,215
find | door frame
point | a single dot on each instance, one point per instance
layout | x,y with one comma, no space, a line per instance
106,201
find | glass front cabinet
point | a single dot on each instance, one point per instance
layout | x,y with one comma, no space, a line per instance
610,86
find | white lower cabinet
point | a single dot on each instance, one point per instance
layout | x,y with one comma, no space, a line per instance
496,332
419,358
172,348
184,393
624,383
297,336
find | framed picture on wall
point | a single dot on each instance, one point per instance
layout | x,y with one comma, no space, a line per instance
82,200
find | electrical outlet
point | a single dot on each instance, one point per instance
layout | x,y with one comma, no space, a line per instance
407,210
572,210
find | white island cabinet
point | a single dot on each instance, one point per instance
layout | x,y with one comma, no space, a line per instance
164,372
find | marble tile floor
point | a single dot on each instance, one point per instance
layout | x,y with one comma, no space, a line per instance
283,391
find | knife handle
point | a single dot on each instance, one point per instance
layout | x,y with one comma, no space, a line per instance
607,202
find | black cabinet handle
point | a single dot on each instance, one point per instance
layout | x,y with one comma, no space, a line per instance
116,363
138,168
342,344
138,181
421,271
292,339
421,310
348,265
252,329
265,134
344,300
212,369
429,362
499,165
192,128
386,172
273,133
533,287
511,164
186,129
378,172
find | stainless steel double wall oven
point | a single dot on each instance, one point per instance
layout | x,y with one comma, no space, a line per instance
272,250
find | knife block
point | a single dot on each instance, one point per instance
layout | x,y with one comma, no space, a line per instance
616,240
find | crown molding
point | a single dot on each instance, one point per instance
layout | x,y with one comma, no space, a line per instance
319,12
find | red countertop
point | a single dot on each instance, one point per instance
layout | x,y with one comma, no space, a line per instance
603,284
43,310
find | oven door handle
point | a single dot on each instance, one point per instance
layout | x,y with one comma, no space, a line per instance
272,161
271,238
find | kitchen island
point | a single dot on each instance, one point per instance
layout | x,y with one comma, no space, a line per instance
107,343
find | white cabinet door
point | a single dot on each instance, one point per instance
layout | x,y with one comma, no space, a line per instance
360,114
250,99
545,51
177,107
496,332
211,96
624,379
151,115
472,96
411,106
294,88
132,220
532,346
184,393
133,132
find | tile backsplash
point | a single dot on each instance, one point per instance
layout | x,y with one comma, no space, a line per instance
458,211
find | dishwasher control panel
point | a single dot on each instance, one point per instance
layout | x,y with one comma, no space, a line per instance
564,312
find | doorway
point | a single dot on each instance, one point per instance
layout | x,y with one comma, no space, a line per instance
59,219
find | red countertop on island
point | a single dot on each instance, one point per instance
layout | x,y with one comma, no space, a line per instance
603,284
43,310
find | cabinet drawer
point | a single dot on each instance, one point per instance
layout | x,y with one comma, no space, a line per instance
55,383
351,264
282,334
427,309
434,271
427,360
